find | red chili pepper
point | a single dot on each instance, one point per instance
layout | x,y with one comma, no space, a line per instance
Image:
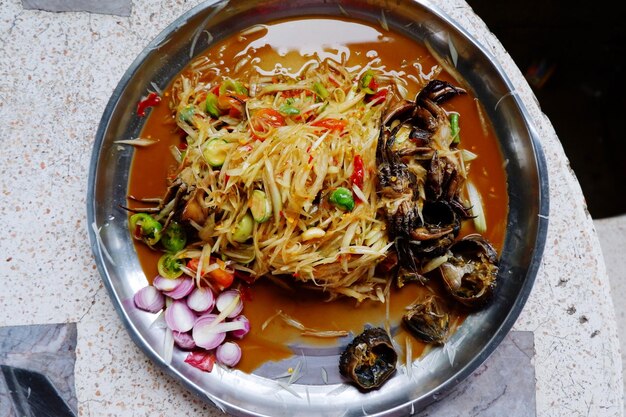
373,85
201,360
182,146
220,277
378,98
358,172
292,93
265,118
152,100
335,125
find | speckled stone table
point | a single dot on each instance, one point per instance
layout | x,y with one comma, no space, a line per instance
57,71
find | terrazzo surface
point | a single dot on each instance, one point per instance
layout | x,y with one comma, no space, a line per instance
57,73
612,234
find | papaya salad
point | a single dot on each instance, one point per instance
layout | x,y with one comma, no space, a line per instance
331,181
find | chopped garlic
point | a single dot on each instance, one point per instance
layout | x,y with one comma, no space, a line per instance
313,233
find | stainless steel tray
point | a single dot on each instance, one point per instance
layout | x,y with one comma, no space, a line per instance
431,377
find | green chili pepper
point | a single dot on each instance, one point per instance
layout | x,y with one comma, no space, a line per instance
342,198
366,80
288,110
186,114
174,238
232,85
320,90
211,105
455,129
150,229
169,266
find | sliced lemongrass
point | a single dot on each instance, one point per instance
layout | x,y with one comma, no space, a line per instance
295,375
269,320
205,338
359,193
156,88
324,333
306,331
208,335
480,222
287,388
434,264
383,20
159,322
229,309
468,155
324,376
141,142
380,294
104,249
253,29
291,321
168,346
454,55
409,357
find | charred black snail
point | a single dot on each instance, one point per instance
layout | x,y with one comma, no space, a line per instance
471,270
369,360
428,320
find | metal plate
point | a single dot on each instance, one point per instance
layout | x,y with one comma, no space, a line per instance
243,394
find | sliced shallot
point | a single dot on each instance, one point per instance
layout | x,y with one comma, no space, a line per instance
179,317
149,299
184,340
184,287
201,300
238,334
208,335
228,354
226,299
166,284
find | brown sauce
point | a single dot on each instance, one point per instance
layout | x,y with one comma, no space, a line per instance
292,43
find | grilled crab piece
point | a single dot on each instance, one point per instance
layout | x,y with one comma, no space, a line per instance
437,231
415,181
